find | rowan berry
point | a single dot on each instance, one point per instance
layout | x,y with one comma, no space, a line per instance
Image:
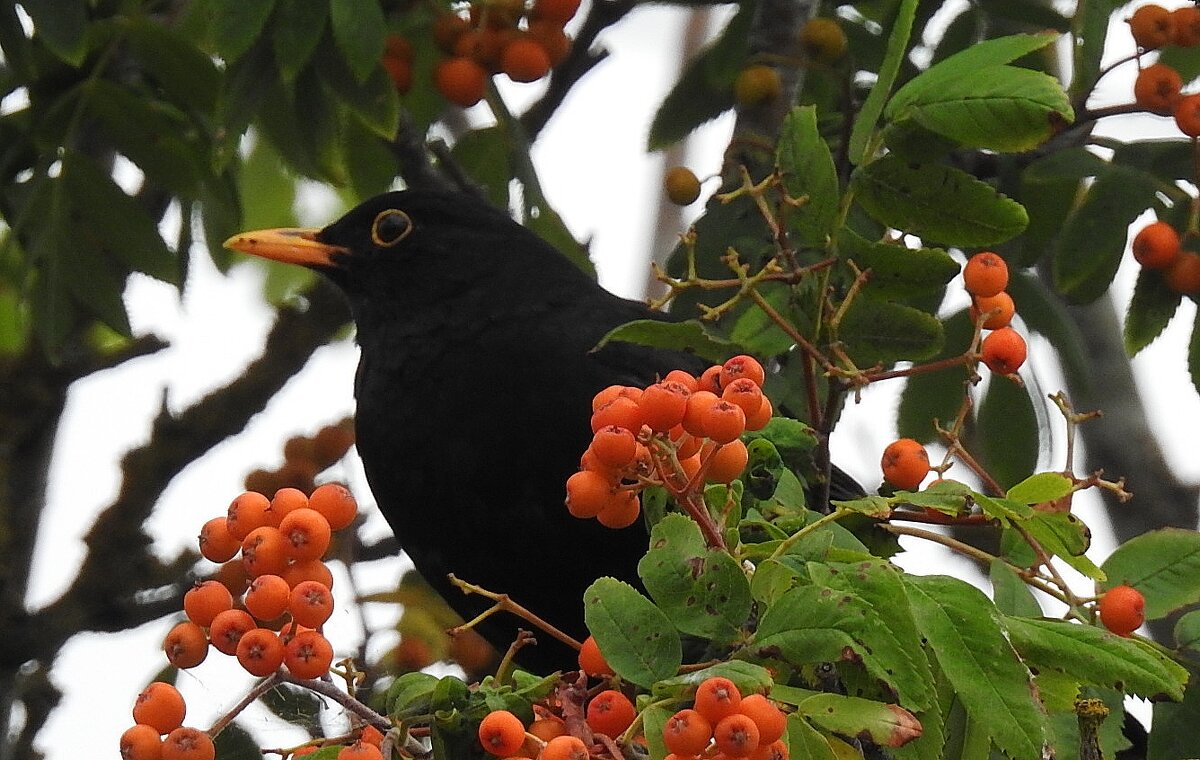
745,393
308,570
687,733
757,84
311,604
217,544
681,185
260,652
308,654
727,463
185,645
400,71
905,463
663,405
999,310
1157,88
268,597
742,366
460,80
588,492
771,721
1151,26
228,628
501,733
525,60
1185,26
717,698
1187,115
1003,351
232,575
723,421
160,706
610,712
693,418
985,274
306,532
552,38
248,511
141,742
686,444
736,735
591,660
202,602
615,447
1156,246
823,40
623,412
557,11
612,393
1183,275
360,750
710,379
287,500
776,750
264,552
690,468
447,28
564,748
371,735
336,502
1122,609
759,419
621,511
188,744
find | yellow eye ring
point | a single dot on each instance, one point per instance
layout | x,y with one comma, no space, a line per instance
390,227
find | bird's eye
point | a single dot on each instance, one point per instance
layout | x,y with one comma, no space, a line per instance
390,227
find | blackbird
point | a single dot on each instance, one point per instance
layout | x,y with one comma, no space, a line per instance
474,393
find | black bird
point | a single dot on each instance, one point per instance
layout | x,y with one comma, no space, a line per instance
474,393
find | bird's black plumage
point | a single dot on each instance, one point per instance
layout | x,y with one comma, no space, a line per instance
474,393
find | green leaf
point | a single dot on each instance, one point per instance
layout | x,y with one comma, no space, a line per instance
298,27
1175,734
370,163
881,332
703,591
62,25
793,439
806,742
747,676
637,639
1150,310
688,336
756,331
897,271
1093,655
1010,593
1187,632
1008,431
236,743
995,688
185,73
1163,564
1193,354
372,98
897,47
484,154
1064,535
937,203
359,28
885,725
411,694
549,226
236,24
808,171
935,395
1043,486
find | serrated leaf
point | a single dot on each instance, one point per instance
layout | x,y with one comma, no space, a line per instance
359,28
484,154
897,47
881,332
1039,487
676,336
935,395
236,24
963,635
411,694
703,591
747,676
1010,593
897,271
1008,431
756,331
937,203
62,26
1150,311
1065,536
886,725
184,72
298,27
1187,632
1093,655
806,742
1163,564
635,636
808,171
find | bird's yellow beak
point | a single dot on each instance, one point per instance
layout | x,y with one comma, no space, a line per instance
291,245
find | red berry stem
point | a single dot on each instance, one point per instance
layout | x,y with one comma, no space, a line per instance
691,500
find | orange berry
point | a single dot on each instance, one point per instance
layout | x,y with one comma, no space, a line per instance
736,735
623,412
188,744
588,492
613,392
141,742
591,661
1185,26
564,748
308,570
186,645
823,40
693,417
723,421
264,552
203,601
548,728
1122,609
687,733
1183,275
717,698
759,419
228,628
308,655
1004,350
999,309
306,532
621,511
248,511
1157,87
311,604
160,706
690,467
371,735
742,366
776,750
501,733
771,721
681,185
985,274
447,28
663,405
400,71
1151,26
552,38
217,544
557,11
905,464
336,503
745,393
728,462
615,447
232,575
260,652
525,60
684,378
686,444
1187,115
460,80
710,379
610,712
757,84
268,597
360,750
1156,246
287,500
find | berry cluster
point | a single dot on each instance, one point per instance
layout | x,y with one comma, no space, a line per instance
678,433
503,734
304,457
158,712
1122,610
985,277
723,723
1158,246
1158,87
502,37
